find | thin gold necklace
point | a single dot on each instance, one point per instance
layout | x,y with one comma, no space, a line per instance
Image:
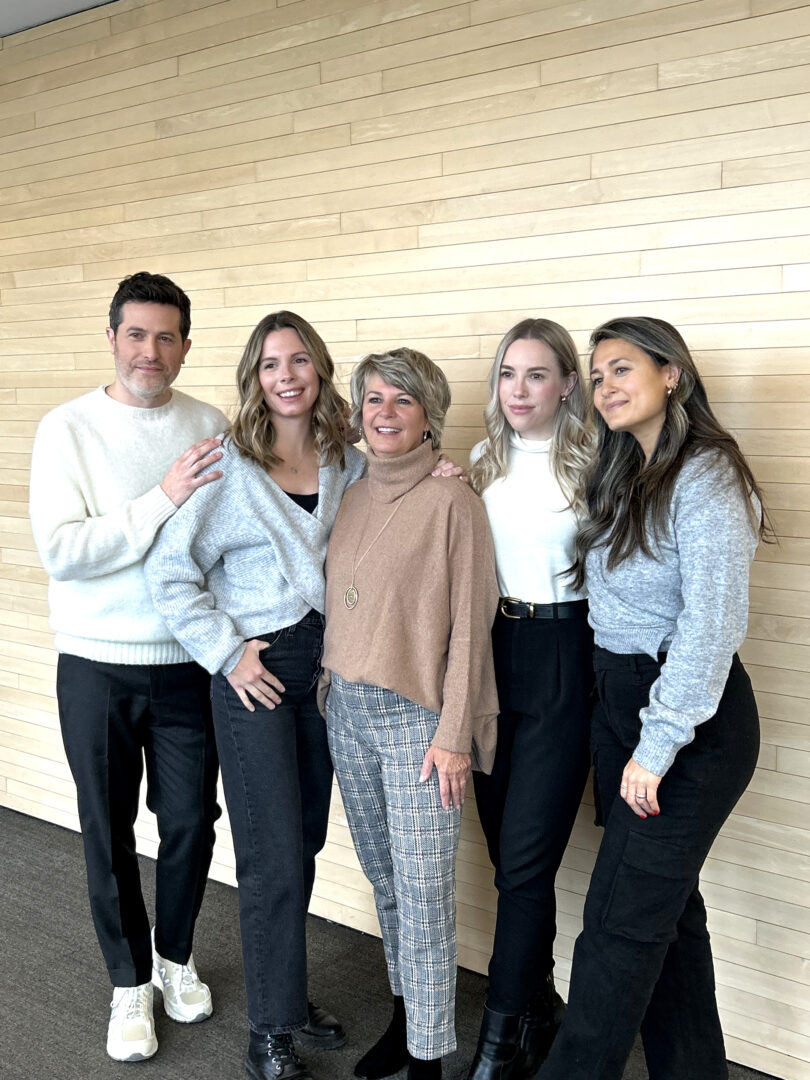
351,596
294,468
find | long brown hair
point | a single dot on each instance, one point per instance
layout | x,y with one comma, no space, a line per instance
252,430
572,441
628,498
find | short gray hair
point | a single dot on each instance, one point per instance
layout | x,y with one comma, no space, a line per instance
412,372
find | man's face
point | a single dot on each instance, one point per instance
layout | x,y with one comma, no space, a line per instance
149,352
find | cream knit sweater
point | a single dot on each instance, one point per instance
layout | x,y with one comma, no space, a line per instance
96,506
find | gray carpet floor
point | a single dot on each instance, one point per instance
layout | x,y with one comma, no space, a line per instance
54,994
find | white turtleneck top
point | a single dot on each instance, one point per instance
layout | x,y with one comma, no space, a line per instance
532,526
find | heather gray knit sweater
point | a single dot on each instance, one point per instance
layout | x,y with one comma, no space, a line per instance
690,601
240,558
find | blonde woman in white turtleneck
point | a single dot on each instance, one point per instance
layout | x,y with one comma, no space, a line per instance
527,471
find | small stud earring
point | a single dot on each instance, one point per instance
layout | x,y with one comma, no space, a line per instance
425,436
669,391
563,397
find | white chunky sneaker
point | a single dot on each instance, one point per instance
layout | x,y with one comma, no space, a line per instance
185,997
131,1034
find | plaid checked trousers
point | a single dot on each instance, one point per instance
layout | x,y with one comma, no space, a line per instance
406,844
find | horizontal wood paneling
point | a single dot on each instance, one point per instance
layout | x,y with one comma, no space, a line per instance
428,174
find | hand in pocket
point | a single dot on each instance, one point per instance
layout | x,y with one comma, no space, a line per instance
250,676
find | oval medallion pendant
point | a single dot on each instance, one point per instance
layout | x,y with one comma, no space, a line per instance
350,597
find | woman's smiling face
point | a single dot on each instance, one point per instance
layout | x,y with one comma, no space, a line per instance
287,375
630,390
393,421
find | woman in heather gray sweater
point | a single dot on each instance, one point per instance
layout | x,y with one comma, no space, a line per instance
237,574
675,518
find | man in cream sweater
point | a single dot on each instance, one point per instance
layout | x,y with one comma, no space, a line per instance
107,470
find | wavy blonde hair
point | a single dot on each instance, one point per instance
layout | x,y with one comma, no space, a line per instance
572,441
252,430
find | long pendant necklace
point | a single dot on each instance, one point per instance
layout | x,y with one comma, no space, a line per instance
351,596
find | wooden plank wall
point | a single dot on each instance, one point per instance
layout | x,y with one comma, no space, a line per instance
427,173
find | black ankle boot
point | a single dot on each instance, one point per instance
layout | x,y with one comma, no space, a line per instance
538,1028
322,1030
273,1057
498,1056
390,1052
422,1069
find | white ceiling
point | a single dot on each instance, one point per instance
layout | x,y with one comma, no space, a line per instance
18,15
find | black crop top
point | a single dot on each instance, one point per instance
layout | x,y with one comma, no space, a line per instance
306,502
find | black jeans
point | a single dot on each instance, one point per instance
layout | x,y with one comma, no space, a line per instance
643,960
277,776
113,716
528,804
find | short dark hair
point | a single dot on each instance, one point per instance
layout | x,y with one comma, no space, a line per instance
146,288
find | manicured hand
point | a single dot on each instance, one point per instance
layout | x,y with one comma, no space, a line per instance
250,676
454,772
446,467
184,477
640,789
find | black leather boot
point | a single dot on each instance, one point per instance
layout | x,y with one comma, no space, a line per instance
390,1052
422,1069
322,1031
498,1055
538,1028
273,1057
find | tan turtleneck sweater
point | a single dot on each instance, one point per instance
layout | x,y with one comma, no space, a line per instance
426,597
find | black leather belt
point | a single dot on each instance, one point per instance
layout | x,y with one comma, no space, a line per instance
512,608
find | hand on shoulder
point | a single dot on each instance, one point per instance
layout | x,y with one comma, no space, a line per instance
188,473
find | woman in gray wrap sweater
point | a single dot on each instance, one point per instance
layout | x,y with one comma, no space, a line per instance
675,518
237,573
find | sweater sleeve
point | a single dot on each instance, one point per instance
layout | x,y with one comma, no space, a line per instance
716,542
72,544
187,547
473,602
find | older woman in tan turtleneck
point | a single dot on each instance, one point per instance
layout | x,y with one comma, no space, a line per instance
410,598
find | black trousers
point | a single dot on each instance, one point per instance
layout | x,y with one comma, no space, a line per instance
277,776
527,806
114,716
643,960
